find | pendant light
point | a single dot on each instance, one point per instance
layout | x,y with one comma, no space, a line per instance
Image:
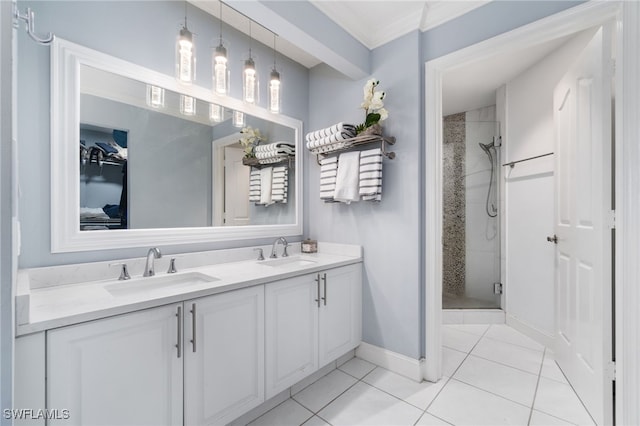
187,105
185,54
275,89
220,69
250,77
238,119
216,113
155,96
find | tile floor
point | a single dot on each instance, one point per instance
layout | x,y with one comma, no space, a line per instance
494,375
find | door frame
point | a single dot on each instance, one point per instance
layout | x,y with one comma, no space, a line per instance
217,176
627,180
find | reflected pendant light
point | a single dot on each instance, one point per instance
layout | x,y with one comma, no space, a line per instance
250,77
238,119
187,105
220,69
185,54
155,96
216,113
275,88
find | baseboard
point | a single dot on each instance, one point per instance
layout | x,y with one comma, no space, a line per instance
538,335
392,361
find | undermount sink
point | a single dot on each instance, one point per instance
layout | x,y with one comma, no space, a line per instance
288,261
145,284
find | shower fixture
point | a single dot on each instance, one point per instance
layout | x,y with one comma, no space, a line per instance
487,148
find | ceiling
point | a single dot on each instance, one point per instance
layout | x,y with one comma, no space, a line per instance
474,85
375,23
378,21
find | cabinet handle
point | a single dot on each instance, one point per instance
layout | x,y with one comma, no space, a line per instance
179,344
317,280
193,324
324,279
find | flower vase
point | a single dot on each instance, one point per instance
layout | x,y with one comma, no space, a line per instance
373,130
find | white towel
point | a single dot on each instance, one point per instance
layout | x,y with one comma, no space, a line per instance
266,176
371,175
327,132
254,185
279,184
328,170
348,177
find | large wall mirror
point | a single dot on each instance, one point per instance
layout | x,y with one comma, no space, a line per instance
139,160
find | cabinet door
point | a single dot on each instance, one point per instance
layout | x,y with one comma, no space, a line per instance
224,356
340,312
291,319
122,370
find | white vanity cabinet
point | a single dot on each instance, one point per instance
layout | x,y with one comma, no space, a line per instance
140,368
310,321
118,370
224,356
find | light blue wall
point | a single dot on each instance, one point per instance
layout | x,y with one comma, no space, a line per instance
389,230
144,33
488,21
391,233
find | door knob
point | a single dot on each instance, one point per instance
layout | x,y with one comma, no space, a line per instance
553,239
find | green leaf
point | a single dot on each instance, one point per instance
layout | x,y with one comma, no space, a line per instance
372,118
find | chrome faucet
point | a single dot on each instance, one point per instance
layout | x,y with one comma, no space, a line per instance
284,244
149,270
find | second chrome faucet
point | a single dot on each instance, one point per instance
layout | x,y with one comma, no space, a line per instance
149,268
285,244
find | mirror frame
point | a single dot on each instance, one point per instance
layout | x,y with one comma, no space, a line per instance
66,61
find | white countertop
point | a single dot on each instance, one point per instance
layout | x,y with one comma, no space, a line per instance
56,305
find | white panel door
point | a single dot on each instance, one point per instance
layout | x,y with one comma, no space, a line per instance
224,356
291,321
122,370
582,106
236,188
340,312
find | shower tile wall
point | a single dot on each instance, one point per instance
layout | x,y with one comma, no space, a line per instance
453,251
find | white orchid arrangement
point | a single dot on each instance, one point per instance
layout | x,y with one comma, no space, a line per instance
373,106
250,139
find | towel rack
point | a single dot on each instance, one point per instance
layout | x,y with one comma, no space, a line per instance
513,163
346,144
281,160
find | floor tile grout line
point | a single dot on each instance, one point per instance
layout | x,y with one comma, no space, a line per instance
504,365
436,397
492,393
535,393
315,413
515,344
390,394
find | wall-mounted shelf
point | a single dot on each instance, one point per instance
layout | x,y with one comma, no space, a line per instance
269,162
347,144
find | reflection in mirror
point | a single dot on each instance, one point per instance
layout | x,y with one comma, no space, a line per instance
154,158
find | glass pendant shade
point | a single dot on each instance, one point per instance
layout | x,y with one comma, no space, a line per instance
185,57
155,96
187,105
238,119
220,71
275,92
216,113
250,82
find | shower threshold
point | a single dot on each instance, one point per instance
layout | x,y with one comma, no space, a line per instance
465,302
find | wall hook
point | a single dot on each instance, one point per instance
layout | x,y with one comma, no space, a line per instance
29,20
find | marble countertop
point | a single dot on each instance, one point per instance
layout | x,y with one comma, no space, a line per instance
66,302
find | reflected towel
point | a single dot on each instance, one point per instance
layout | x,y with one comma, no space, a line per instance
254,185
266,177
348,177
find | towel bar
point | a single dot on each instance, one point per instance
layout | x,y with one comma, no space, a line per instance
347,144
